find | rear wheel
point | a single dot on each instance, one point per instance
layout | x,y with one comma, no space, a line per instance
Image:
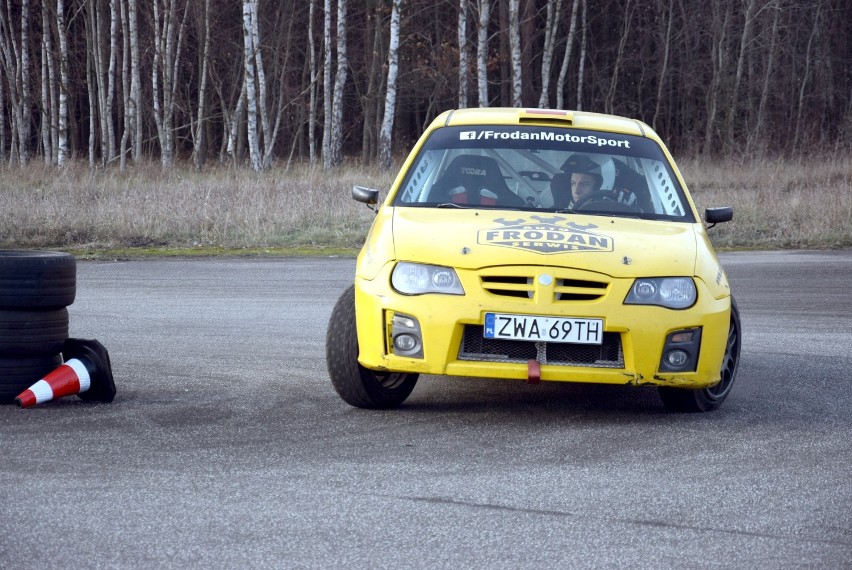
709,399
356,385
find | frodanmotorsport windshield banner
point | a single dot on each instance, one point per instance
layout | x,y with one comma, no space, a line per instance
548,136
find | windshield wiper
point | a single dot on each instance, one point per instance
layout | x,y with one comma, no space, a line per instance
453,205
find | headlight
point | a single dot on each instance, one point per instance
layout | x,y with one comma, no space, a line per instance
416,279
670,292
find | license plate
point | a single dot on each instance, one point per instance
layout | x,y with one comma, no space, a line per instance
543,329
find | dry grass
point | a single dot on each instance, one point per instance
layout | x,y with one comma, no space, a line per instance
224,207
801,203
777,204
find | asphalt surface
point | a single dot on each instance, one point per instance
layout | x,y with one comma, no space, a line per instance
226,446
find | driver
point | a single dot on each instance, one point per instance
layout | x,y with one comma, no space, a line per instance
583,184
586,179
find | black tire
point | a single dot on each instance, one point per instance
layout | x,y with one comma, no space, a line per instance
37,279
709,399
356,385
18,374
32,333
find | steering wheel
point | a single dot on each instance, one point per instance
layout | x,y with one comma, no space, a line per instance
597,196
605,197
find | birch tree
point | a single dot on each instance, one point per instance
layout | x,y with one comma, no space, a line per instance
133,110
312,105
168,42
515,49
551,26
482,51
251,88
744,41
385,150
582,64
661,79
327,86
47,81
24,123
16,66
718,54
566,58
339,82
62,134
463,60
757,134
198,131
609,102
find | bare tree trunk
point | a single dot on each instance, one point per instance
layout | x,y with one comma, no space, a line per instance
482,51
757,134
327,87
661,80
236,119
312,105
580,71
806,76
515,48
251,93
198,143
26,97
125,87
46,80
339,83
16,64
744,41
385,140
566,60
551,26
371,100
62,151
90,83
2,120
134,109
167,49
110,94
267,138
718,54
98,105
609,102
463,60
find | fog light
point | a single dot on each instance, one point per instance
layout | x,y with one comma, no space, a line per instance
680,352
405,343
677,358
405,336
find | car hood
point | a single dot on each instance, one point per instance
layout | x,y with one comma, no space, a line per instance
472,239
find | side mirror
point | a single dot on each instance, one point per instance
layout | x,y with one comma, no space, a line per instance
715,216
366,195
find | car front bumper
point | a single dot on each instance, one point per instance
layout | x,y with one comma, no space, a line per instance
449,326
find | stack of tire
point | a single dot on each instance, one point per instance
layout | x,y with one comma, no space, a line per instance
36,288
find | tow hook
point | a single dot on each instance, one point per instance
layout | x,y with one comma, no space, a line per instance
533,372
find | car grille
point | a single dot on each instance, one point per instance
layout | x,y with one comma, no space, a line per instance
477,348
522,287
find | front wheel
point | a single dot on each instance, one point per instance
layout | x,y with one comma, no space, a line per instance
709,399
359,386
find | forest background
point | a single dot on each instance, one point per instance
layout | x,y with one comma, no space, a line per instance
198,125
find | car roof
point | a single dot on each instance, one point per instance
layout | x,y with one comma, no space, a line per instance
543,117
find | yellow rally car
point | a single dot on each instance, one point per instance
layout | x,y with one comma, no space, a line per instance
537,245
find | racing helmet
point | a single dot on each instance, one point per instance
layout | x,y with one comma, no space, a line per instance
599,167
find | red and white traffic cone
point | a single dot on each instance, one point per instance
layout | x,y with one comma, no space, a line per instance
86,372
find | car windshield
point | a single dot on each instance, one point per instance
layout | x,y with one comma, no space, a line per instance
541,168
